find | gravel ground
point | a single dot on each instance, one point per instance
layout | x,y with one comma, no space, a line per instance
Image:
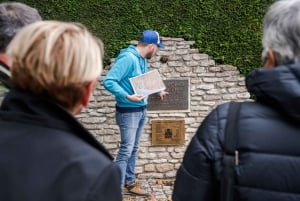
160,190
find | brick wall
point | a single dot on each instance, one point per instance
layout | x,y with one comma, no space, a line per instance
210,85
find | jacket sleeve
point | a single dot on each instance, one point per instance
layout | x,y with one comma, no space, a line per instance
195,179
107,186
118,72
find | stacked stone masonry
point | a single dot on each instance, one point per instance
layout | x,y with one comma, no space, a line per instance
210,85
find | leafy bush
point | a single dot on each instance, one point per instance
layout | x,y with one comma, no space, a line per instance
229,31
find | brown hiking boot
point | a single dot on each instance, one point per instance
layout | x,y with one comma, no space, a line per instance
136,189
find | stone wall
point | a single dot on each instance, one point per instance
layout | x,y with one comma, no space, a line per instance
210,85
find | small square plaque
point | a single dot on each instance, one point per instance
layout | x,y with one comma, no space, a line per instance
168,132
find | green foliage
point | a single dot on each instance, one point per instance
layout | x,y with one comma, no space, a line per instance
228,30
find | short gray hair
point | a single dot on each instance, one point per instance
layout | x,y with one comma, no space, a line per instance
14,16
281,31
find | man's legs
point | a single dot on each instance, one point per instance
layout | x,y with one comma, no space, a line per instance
130,171
131,127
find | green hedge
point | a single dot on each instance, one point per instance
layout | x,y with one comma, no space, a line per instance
227,30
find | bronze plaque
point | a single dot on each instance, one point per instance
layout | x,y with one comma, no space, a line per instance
176,100
168,132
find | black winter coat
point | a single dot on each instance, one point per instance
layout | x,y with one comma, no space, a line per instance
46,155
268,145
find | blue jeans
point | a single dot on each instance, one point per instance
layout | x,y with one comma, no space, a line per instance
131,126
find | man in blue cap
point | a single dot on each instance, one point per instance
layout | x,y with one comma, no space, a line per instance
131,111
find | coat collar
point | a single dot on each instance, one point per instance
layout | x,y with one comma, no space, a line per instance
4,71
278,87
42,110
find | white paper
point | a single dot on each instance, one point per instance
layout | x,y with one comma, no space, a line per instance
147,83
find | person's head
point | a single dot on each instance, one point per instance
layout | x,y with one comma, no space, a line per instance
14,16
150,42
281,33
59,59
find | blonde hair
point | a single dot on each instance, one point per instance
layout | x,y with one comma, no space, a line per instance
56,58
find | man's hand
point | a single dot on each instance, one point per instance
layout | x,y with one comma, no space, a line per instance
135,97
163,94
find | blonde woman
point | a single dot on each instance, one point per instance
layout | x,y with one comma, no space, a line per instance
46,154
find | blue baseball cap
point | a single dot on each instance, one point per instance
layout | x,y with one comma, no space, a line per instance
150,36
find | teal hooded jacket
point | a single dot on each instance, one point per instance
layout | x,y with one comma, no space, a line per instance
128,64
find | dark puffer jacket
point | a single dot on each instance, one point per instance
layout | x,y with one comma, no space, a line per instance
269,144
46,154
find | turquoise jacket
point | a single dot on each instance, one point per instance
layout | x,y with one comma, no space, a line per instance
128,64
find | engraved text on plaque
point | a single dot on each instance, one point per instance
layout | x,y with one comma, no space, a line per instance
176,100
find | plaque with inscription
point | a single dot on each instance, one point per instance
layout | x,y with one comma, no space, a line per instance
178,98
168,132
